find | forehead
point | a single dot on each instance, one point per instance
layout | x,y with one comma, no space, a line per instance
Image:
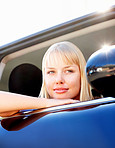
59,62
56,58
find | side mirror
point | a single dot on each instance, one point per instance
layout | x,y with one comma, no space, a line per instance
100,71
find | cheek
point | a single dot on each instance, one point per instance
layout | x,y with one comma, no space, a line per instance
49,84
75,83
78,80
75,87
74,80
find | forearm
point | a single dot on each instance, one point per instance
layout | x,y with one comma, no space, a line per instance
13,102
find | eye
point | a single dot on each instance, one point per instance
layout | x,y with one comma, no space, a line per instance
51,72
69,71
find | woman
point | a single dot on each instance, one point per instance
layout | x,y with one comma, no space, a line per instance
64,81
58,56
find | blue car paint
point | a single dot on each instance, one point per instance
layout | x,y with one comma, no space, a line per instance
90,128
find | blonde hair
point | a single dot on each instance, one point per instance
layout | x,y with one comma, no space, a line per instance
69,53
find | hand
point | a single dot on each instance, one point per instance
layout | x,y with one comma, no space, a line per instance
56,102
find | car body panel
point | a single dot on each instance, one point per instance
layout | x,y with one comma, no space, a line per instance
93,127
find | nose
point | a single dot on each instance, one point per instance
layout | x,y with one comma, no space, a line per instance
59,78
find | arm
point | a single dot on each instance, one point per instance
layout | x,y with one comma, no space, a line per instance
10,102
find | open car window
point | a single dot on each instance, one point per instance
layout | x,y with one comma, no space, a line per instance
88,32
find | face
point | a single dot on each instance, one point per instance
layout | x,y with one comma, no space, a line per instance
62,80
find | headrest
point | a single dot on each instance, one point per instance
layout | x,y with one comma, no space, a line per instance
25,79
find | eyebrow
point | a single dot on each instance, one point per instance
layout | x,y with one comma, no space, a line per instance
69,66
50,68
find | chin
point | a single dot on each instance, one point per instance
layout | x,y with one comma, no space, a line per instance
62,97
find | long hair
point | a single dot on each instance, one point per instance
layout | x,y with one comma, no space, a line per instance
71,54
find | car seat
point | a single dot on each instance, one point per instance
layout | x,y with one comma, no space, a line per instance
25,79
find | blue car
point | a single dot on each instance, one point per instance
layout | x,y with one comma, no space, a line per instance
89,124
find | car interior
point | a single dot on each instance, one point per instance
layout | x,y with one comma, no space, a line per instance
21,59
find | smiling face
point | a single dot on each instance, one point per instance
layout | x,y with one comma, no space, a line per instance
63,73
62,79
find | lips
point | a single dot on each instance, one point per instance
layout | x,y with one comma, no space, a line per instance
60,90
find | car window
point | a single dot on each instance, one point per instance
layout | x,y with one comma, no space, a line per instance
89,33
